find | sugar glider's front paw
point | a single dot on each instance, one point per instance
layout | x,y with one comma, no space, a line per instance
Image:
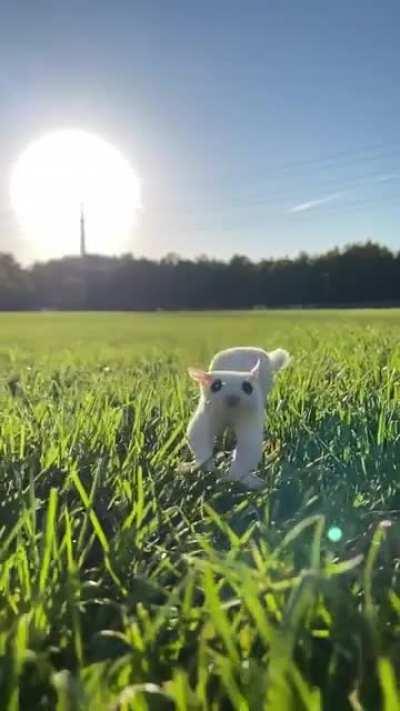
208,466
192,467
186,468
251,481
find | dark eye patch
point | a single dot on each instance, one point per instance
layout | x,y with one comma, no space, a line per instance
247,387
216,385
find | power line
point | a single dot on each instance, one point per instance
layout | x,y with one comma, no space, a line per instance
241,200
277,196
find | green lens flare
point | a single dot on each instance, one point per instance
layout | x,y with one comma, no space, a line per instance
335,534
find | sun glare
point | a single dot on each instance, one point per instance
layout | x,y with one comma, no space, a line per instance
63,171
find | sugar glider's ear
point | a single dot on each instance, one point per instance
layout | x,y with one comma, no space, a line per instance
200,376
254,373
279,359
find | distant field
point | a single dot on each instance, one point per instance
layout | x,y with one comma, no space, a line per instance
125,585
95,336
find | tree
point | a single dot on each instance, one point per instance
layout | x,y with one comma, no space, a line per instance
359,274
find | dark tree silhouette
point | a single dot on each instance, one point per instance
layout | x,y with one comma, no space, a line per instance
360,274
16,287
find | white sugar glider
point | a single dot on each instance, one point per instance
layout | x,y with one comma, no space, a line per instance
232,395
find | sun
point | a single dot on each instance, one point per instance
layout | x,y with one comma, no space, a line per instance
64,171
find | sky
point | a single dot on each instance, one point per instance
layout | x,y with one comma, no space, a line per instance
255,127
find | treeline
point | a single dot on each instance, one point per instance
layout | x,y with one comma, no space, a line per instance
360,274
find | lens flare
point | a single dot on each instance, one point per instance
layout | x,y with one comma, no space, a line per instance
59,173
335,534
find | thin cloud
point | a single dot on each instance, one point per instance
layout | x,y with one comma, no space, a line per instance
387,176
311,204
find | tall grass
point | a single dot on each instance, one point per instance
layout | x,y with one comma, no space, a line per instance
125,584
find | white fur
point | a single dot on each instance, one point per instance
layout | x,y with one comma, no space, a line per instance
246,417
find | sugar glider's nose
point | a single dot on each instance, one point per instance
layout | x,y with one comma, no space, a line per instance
232,400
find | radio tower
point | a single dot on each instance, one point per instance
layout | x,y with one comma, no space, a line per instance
83,236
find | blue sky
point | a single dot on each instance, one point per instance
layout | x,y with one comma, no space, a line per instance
256,127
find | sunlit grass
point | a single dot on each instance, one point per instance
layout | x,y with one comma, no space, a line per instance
124,584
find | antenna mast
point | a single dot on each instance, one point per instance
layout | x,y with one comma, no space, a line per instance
82,232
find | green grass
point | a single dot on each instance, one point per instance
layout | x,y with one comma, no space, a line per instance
126,585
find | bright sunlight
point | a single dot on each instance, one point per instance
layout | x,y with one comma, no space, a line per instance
63,171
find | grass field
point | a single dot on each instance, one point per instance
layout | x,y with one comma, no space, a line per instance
126,585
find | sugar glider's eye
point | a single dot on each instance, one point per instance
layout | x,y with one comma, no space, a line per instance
216,385
247,387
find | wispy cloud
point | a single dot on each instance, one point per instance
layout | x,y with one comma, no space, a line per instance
387,176
311,204
370,181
